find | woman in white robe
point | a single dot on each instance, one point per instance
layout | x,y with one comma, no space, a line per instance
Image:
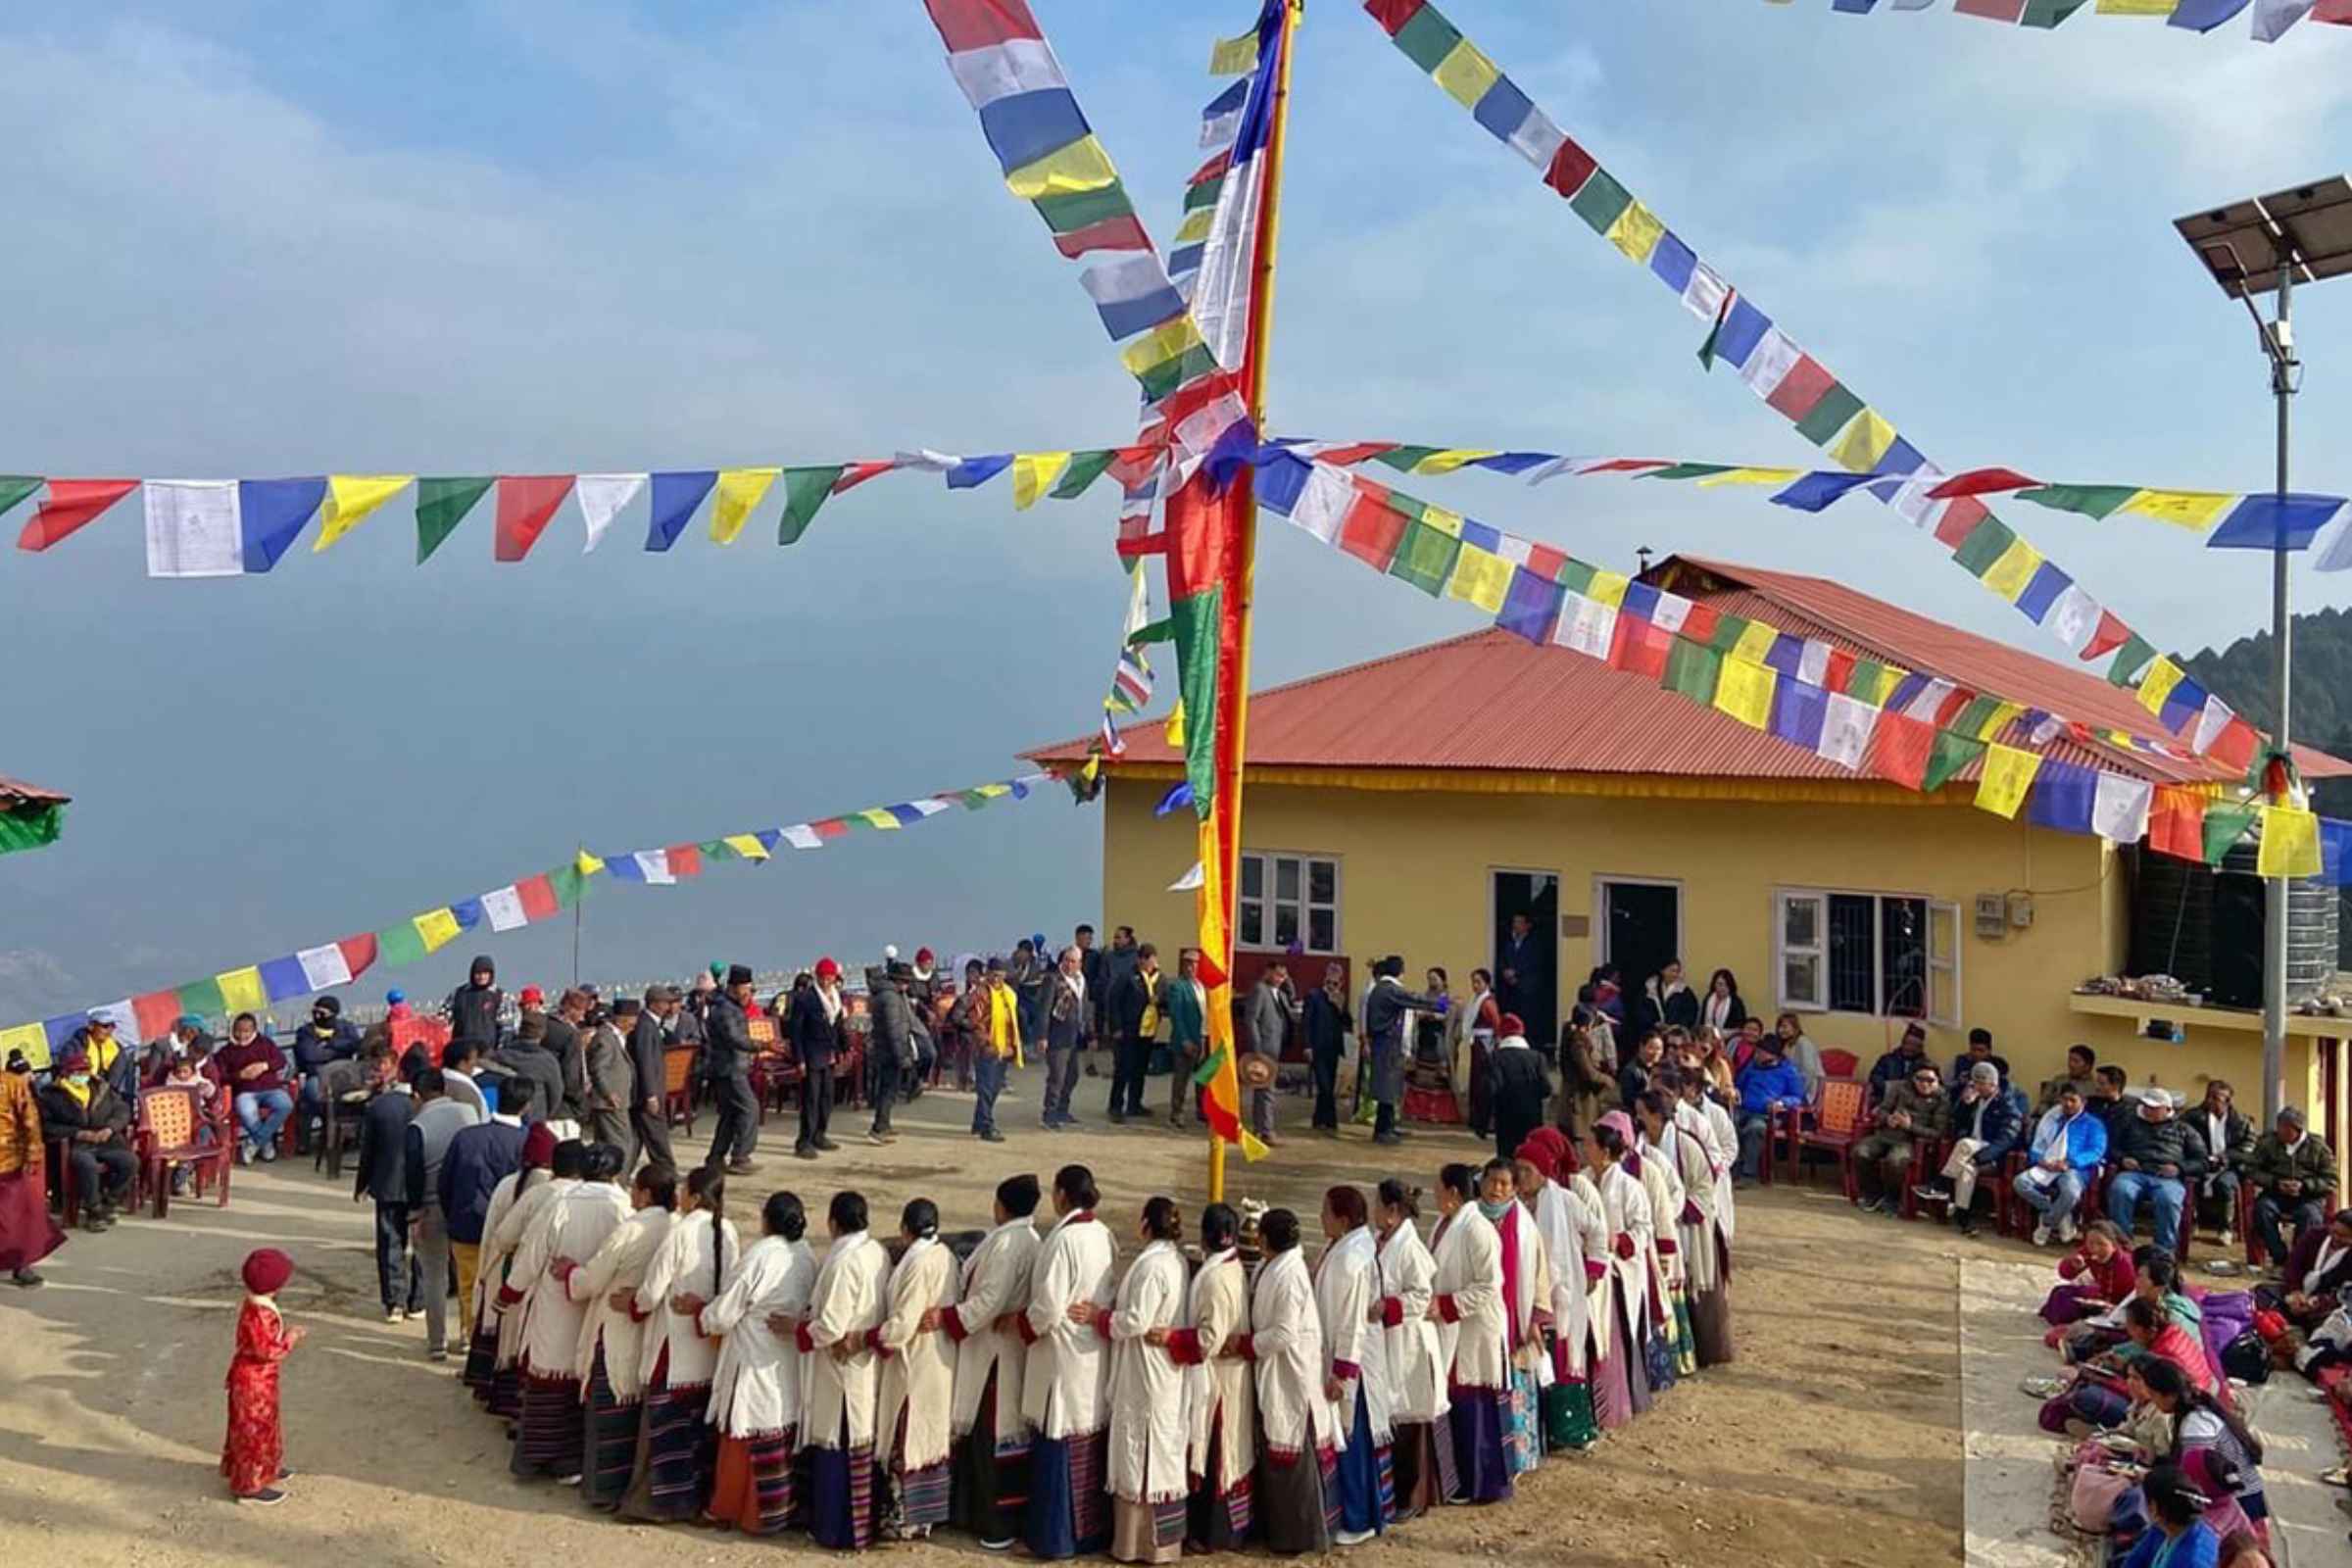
1297,1472
1220,1396
1421,1447
1575,1243
919,1377
843,1379
492,1368
550,1441
1148,1430
991,1439
1526,1310
1722,1149
1348,1291
1476,1333
1702,1231
1669,1203
1625,1211
676,1450
1066,1385
611,1338
757,1383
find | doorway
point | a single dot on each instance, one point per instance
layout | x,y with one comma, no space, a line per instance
1640,927
1526,963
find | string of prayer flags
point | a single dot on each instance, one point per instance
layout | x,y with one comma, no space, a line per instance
2272,18
1790,381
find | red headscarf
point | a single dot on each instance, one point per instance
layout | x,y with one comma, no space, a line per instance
538,1146
1544,1148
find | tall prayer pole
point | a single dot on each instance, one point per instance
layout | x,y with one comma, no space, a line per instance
1254,370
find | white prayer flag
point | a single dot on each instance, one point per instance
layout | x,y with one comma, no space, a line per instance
1813,664
1703,295
194,528
2073,616
602,496
1323,503
655,863
1845,730
1000,70
800,836
1774,357
1671,611
1586,626
325,968
1189,881
503,907
1537,139
2119,811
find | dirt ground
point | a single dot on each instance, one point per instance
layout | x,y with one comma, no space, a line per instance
1835,1440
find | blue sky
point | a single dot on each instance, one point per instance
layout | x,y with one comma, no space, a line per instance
260,238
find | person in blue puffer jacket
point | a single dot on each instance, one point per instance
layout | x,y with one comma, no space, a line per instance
2068,1144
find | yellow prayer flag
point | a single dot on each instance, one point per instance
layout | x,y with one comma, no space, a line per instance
1234,57
2158,684
2194,509
1453,458
1171,339
1175,730
351,497
2290,843
1093,765
1749,476
1033,475
1743,690
740,490
29,1038
1755,641
1637,231
242,991
1195,225
1889,676
587,864
2008,774
1999,719
1481,578
746,845
1608,588
2136,8
2013,569
437,927
991,791
1446,522
880,819
1864,442
1466,73
1081,165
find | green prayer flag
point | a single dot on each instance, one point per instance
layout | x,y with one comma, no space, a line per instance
717,850
1865,682
1426,556
1832,413
396,945
441,505
804,490
31,828
1206,1073
1402,459
203,999
2130,660
1162,630
1576,575
15,487
1686,470
1602,201
1205,194
1691,669
1197,617
1723,314
2090,499
1986,544
2224,825
2048,13
1165,377
1427,38
1947,757
1728,628
1084,469
1975,714
568,883
1067,214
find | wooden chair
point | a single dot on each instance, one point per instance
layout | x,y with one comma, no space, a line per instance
1837,1127
171,1132
677,1089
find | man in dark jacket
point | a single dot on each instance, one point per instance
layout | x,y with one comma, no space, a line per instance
383,1176
1384,1007
1986,1127
1327,1023
1519,1086
474,1008
566,1043
1898,1065
727,1051
1916,1111
469,1174
890,1042
329,1037
2228,1135
2294,1172
525,1058
79,1104
649,1066
1135,1007
815,1028
2156,1156
1117,964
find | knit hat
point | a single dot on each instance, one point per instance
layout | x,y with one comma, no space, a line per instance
531,996
1542,1150
827,969
1511,1024
922,958
538,1146
74,1059
267,1270
1624,1125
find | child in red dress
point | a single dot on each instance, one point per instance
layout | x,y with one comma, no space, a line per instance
251,1453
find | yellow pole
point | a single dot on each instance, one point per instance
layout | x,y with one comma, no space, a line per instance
1261,323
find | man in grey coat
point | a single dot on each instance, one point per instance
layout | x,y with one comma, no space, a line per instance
649,1074
1385,1005
610,1087
438,1120
1268,1018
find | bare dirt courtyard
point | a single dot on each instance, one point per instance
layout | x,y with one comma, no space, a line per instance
1835,1440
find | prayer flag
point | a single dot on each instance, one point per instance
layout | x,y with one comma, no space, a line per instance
2119,809
2008,773
71,504
1033,475
1586,626
2290,843
1693,671
805,490
1800,713
526,504
2065,797
441,505
1481,578
1639,645
32,1041
1899,749
2177,824
602,496
1743,690
675,498
436,928
503,907
351,499
1714,338
1948,756
740,492
241,990
2224,825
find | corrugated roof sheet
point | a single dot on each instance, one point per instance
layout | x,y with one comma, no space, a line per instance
1493,700
16,791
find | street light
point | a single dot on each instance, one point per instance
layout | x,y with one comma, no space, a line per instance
2265,244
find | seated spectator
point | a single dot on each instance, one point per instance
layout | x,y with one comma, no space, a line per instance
79,1105
2081,1068
1980,1048
186,1039
1745,1043
254,1071
2108,1102
2203,1425
2217,1479
1898,1065
2176,1538
2068,1144
2317,1271
2099,1398
2293,1175
329,1037
1768,1086
1798,1049
1914,1113
1714,1063
2156,1156
1984,1128
2094,1278
2228,1135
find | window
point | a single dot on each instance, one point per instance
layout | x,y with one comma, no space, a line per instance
1881,953
1287,898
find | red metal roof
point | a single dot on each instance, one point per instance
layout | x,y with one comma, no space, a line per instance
1493,700
15,792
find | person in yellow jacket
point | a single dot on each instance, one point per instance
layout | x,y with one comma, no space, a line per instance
1001,1044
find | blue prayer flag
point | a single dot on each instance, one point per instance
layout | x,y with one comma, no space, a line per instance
675,498
273,513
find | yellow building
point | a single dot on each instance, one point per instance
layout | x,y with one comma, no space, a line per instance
1412,805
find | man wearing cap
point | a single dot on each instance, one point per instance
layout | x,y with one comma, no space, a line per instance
2156,1156
608,1082
649,1070
329,1037
814,1027
2293,1175
1986,1124
728,1050
80,1105
1914,1113
1898,1065
474,1006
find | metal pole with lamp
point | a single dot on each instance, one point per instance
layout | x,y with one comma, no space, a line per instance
2251,247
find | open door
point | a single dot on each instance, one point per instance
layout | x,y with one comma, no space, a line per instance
1641,927
1527,951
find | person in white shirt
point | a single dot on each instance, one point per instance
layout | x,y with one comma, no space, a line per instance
914,1436
1575,1242
1220,1396
552,1436
1625,1211
1148,1484
1300,1426
1348,1291
676,1450
990,1443
1474,1334
756,1388
837,1342
1421,1462
611,1339
1066,1384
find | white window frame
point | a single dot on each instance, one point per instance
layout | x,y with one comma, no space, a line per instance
1940,962
1268,881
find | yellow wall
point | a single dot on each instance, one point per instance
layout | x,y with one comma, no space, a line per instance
1416,868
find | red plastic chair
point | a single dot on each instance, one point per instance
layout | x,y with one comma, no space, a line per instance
1838,1125
171,1128
1926,1160
1838,1063
677,1089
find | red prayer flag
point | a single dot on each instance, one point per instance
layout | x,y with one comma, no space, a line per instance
832,827
1954,701
685,860
157,1011
977,23
856,474
2177,824
1393,14
1372,531
1640,646
1981,482
1570,168
537,895
1805,385
71,504
1899,749
1839,675
1213,169
1542,561
2338,11
1959,520
2109,635
1991,10
2233,748
359,954
1112,234
1700,623
1348,457
526,503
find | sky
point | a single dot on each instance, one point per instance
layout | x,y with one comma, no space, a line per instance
256,238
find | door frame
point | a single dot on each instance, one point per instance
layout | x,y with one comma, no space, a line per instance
1602,883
